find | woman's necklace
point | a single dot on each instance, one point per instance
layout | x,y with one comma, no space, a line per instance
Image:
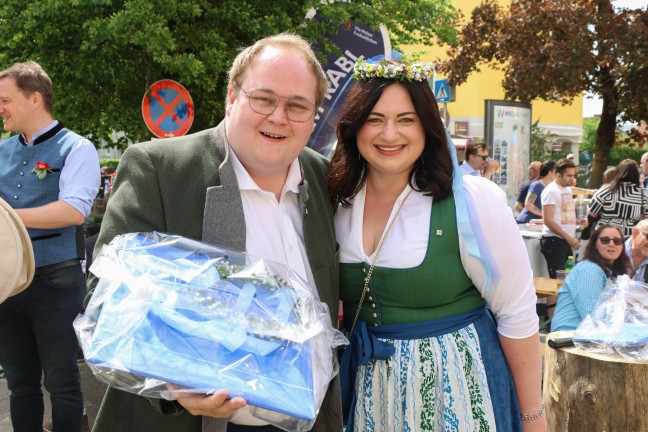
365,289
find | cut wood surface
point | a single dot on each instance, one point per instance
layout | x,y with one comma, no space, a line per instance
592,392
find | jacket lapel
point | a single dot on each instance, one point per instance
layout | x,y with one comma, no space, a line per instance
223,218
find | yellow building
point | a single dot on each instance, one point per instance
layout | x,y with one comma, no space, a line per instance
466,113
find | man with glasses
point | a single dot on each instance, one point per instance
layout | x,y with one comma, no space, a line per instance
249,184
636,247
477,162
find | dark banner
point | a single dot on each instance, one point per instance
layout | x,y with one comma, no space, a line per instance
354,40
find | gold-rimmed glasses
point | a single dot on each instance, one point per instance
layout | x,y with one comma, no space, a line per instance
264,102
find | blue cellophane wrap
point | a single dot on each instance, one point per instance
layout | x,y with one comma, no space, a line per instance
171,310
619,322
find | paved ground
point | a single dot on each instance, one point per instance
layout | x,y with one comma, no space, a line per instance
93,391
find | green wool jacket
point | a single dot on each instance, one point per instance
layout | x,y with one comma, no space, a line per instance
187,186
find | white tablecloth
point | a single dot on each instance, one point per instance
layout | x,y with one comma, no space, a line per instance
531,236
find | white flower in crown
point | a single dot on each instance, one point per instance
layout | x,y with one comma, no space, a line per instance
391,70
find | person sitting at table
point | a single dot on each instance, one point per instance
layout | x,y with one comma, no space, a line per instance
604,258
637,249
533,203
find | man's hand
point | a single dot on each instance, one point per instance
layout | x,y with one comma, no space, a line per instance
491,167
216,405
573,242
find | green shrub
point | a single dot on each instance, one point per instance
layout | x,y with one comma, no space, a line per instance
109,162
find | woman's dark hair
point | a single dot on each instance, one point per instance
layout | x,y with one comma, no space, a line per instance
546,168
432,172
626,172
620,265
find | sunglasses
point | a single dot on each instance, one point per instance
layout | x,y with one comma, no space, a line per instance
606,241
484,157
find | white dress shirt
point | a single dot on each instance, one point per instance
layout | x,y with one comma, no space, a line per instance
78,185
274,231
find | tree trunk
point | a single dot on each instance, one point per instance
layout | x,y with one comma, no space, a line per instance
604,140
592,392
606,86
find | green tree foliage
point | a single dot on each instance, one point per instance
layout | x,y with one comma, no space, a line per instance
555,50
104,54
539,143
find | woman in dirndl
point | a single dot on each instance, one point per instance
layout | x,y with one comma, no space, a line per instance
434,275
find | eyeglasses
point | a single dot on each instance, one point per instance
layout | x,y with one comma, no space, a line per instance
484,157
265,102
606,241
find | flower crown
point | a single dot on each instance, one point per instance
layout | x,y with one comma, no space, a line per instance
367,70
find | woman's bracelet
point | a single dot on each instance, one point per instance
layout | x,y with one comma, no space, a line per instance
532,416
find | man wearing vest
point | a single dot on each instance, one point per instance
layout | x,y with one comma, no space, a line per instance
50,176
248,184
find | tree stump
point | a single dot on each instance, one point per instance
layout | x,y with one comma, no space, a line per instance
593,392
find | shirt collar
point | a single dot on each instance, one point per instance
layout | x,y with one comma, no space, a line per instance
39,133
246,182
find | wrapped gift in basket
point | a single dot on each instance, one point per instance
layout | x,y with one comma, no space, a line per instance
619,322
172,310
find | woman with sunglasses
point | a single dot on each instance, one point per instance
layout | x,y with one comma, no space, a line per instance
604,257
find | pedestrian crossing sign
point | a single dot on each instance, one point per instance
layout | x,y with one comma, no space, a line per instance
442,91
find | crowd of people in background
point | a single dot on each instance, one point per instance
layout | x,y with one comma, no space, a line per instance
616,227
386,215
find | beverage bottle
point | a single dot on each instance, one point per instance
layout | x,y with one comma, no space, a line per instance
569,264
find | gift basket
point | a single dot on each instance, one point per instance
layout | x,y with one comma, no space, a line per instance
619,322
170,310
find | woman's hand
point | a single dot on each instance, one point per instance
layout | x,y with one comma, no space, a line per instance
216,405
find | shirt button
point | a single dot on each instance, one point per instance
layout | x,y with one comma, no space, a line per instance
18,185
22,173
373,306
15,197
375,324
370,298
364,270
24,162
374,315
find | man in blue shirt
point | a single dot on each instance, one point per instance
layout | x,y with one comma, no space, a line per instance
50,175
477,162
636,246
534,174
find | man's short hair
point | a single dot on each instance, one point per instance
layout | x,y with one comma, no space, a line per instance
562,165
30,78
474,147
245,58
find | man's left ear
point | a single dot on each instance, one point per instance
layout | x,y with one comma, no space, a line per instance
36,98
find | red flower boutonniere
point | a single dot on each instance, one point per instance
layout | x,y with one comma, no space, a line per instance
41,169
